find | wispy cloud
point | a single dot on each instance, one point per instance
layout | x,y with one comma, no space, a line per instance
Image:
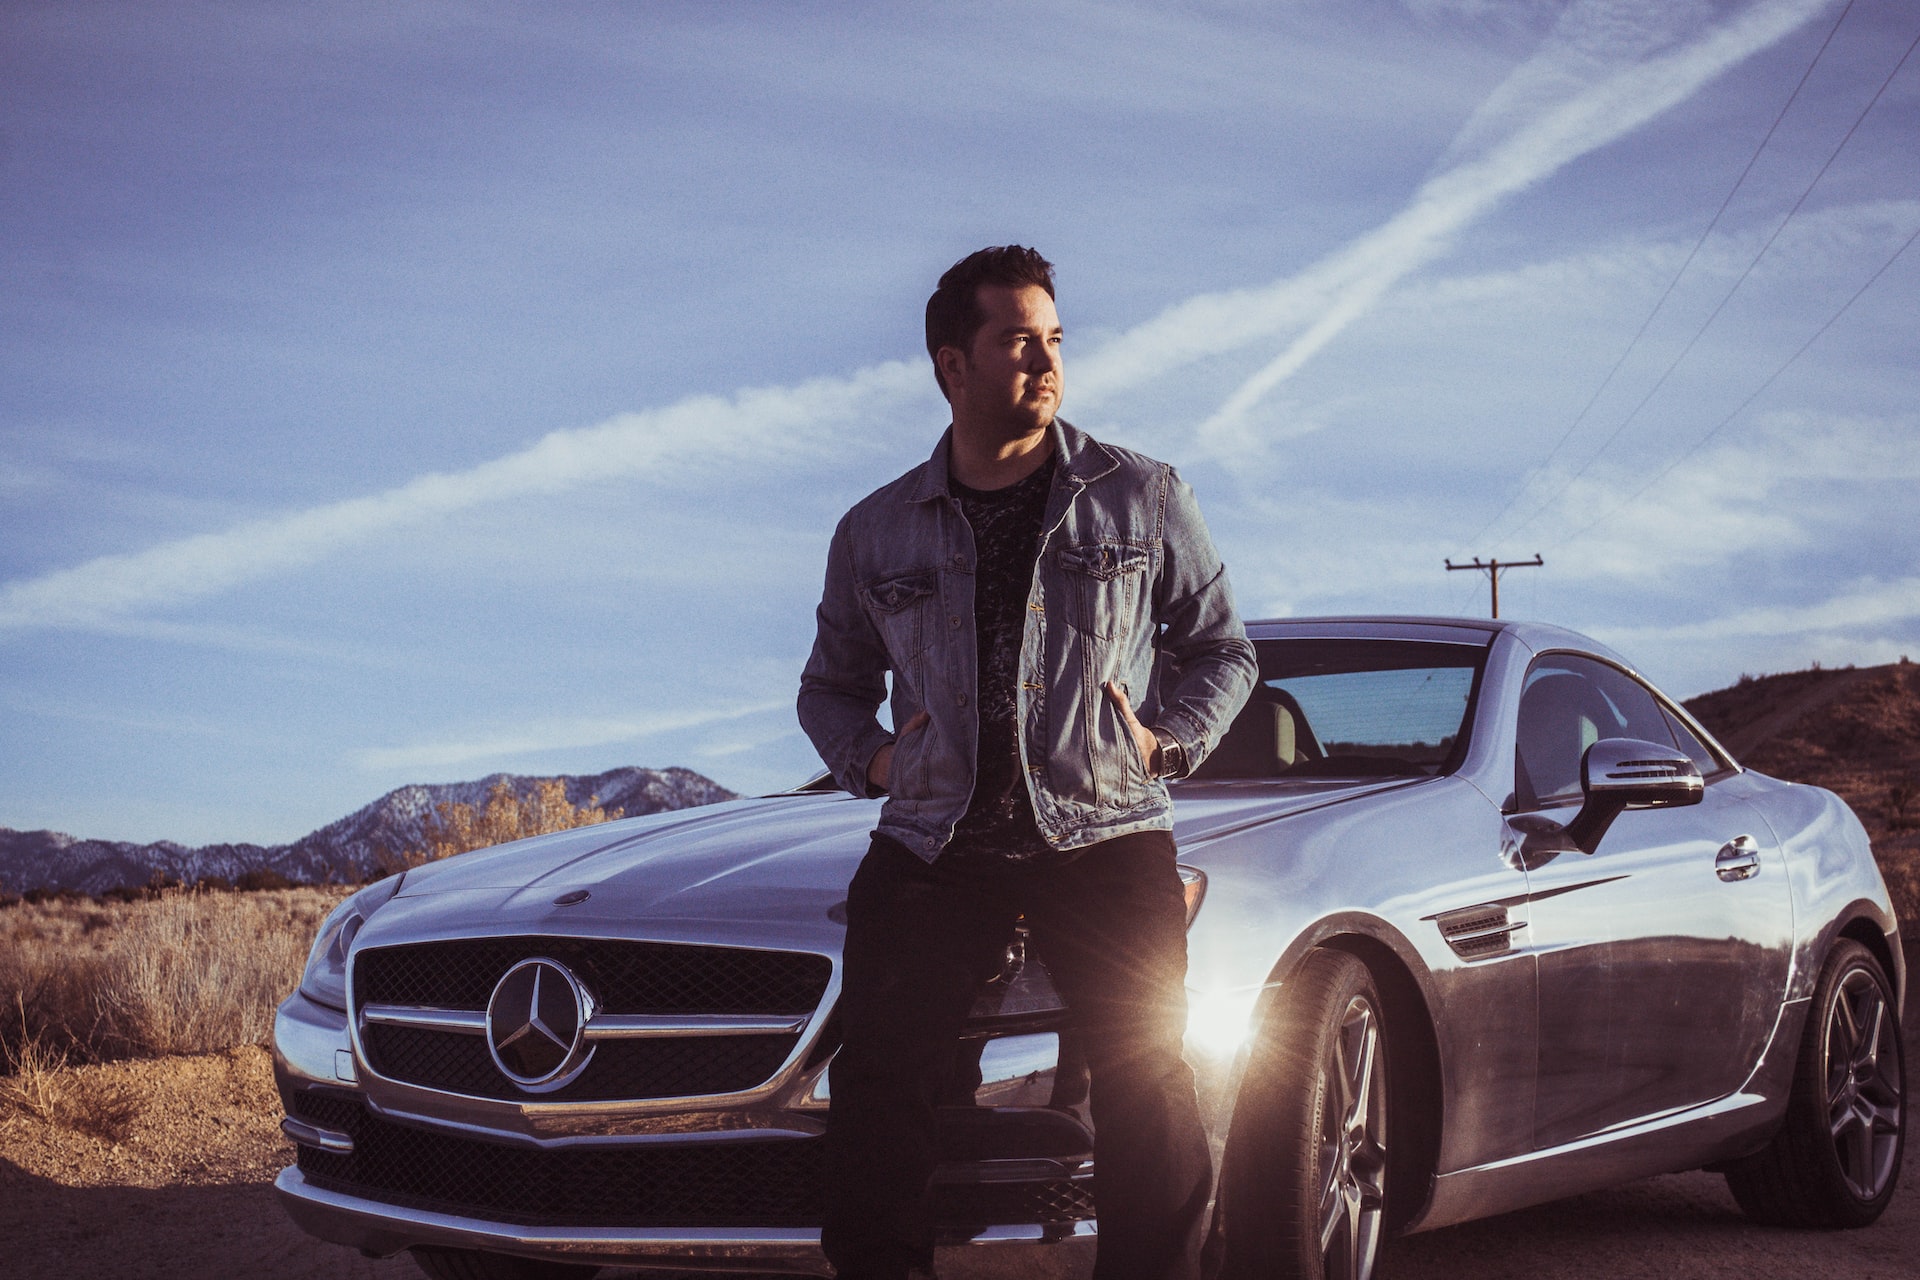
1761,491
658,445
1866,606
1354,279
1786,485
552,735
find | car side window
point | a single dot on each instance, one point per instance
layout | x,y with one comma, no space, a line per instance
1568,704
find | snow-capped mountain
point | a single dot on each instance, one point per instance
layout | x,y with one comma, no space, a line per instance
345,850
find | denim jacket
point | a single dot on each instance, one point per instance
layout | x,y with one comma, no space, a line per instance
1125,574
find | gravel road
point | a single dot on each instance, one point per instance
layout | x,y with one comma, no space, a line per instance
1684,1226
187,1196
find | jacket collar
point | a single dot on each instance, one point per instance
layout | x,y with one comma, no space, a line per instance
1080,460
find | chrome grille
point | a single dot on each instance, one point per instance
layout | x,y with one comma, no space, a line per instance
628,977
669,1020
664,1068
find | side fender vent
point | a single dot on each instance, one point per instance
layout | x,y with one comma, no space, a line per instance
1476,933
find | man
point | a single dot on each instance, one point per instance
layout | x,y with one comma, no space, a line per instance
1018,586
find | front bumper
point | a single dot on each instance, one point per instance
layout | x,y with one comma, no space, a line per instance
383,1229
315,1059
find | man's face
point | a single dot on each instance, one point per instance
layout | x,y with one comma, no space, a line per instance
1011,376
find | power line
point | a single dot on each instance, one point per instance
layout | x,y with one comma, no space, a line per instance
1634,342
1728,297
1699,444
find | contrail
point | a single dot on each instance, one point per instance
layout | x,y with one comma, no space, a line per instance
546,737
1363,271
657,445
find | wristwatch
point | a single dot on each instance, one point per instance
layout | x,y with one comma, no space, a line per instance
1173,756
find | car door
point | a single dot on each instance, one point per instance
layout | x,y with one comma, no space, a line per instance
1662,956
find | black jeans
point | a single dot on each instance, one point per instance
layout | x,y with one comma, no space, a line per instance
921,939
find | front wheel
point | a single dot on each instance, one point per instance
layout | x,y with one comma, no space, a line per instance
1304,1191
1836,1159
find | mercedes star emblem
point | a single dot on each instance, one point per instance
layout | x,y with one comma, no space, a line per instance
537,1025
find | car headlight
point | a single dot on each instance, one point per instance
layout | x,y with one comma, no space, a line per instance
325,979
1218,1018
1193,882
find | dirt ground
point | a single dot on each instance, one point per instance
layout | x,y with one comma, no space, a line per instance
186,1194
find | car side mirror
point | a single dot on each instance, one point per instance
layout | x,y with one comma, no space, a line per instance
1629,773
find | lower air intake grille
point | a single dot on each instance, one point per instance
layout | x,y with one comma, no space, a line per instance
736,1184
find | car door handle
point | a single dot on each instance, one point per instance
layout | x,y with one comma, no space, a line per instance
1738,859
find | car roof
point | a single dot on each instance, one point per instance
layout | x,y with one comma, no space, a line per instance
1536,636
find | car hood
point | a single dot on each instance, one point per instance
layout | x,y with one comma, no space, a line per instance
781,859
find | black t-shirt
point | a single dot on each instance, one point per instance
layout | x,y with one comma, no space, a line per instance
999,821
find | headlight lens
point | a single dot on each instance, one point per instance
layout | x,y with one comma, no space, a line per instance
1194,881
325,979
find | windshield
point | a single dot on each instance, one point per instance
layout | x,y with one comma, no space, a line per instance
1352,708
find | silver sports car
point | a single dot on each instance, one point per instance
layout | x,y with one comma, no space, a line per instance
1478,918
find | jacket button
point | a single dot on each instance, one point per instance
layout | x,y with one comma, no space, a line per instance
959,699
953,620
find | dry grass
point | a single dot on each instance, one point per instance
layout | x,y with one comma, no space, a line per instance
39,1084
187,972
507,815
32,1082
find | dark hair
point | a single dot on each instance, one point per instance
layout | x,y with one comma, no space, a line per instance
953,312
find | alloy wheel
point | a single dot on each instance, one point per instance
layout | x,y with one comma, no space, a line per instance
1353,1158
1863,1084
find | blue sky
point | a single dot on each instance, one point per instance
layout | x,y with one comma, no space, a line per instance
402,393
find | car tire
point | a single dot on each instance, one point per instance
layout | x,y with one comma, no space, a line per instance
1836,1159
473,1264
1304,1186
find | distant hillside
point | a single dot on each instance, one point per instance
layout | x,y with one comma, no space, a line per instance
1854,731
345,850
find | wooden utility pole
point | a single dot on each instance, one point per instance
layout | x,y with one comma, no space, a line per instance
1494,568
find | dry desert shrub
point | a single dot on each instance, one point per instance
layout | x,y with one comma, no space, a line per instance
39,1084
199,974
186,972
460,828
32,1082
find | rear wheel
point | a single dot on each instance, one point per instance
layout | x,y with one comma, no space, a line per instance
472,1264
1836,1158
1305,1189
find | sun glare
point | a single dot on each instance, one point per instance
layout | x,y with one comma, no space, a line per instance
1218,1021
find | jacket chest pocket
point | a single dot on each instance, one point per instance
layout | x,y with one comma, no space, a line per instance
899,606
1104,582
